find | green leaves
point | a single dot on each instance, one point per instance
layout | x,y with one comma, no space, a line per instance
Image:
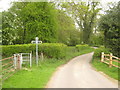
109,23
51,50
84,14
28,20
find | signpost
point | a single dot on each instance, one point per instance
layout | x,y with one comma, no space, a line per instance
36,42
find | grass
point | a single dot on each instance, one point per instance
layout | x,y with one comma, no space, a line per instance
112,72
37,77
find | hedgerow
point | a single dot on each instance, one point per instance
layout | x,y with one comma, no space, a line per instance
83,47
98,51
52,50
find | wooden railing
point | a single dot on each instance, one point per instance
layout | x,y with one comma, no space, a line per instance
9,67
110,60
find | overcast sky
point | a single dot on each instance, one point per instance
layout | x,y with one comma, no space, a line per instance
5,4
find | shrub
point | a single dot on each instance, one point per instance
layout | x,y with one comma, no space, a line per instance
9,50
53,50
82,47
98,51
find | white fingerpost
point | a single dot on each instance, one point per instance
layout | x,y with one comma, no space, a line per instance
36,42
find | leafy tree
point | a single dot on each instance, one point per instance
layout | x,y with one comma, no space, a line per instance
0,28
97,39
84,13
26,20
67,32
8,34
110,24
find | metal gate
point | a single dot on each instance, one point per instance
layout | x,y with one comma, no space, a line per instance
24,57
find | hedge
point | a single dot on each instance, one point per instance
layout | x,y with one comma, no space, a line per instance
98,51
82,47
53,50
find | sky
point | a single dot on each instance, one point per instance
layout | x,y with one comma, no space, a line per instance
5,4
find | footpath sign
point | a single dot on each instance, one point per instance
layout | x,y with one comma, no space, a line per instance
36,42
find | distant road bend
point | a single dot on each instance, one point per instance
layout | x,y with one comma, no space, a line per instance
78,73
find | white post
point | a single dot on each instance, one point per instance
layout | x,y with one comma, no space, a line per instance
36,50
36,41
21,60
15,58
30,59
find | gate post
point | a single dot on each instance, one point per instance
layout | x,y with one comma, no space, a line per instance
102,57
19,62
30,59
41,56
15,61
110,64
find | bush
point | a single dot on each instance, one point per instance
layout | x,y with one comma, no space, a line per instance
53,50
82,47
9,50
98,51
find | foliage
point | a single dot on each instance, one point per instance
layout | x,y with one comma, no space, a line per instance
67,33
0,28
97,39
26,20
98,51
9,50
52,50
84,14
110,24
21,24
83,47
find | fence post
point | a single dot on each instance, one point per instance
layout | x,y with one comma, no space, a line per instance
15,61
30,59
102,57
19,63
110,63
42,56
21,60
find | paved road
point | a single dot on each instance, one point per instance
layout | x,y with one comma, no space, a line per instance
78,73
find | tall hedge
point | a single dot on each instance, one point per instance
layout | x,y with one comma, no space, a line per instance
52,50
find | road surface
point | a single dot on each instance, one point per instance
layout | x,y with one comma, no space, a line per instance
78,73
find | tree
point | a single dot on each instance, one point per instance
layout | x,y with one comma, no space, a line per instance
67,32
0,28
26,20
110,24
84,14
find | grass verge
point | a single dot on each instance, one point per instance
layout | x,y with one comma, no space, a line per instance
112,72
37,77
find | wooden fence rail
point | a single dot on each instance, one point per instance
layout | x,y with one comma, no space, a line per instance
8,67
110,60
11,64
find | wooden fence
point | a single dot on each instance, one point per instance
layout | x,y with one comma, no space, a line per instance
8,67
110,60
11,64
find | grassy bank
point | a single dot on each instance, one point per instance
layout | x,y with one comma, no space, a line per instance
37,77
112,72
